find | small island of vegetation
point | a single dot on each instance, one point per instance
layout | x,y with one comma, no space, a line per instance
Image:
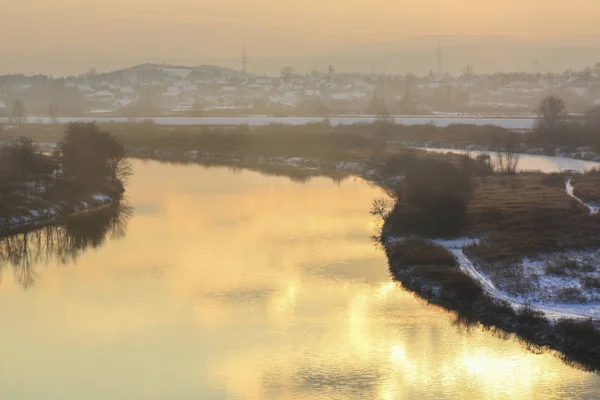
87,169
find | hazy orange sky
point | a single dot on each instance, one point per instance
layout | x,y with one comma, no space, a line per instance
63,36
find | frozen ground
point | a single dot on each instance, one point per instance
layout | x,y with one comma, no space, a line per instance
560,285
565,285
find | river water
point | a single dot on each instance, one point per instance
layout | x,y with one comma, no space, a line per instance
531,162
235,285
507,122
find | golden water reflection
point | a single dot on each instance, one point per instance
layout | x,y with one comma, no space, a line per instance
251,287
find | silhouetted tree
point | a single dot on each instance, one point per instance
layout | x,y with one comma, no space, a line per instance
22,153
18,113
90,157
287,73
508,157
592,117
468,74
53,112
330,72
551,114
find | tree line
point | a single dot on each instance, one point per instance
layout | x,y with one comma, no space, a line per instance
557,127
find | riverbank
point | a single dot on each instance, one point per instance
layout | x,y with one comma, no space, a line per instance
36,213
440,277
516,252
584,153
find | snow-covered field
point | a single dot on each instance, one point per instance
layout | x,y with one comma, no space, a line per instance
509,123
563,285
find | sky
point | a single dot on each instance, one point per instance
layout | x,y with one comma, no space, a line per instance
67,36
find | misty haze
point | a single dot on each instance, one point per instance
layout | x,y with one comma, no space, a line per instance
226,199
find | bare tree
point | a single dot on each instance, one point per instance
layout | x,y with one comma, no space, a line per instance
18,113
382,208
551,113
330,72
508,157
468,73
119,165
53,113
287,73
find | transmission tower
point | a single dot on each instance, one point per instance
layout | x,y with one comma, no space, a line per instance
245,61
440,58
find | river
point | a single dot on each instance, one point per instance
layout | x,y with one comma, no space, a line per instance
234,285
522,123
532,162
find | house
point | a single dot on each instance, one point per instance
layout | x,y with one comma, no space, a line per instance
85,88
290,99
189,87
172,91
104,94
122,103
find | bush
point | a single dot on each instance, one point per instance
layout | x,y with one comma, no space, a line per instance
583,330
531,316
432,199
561,267
590,282
416,252
463,287
571,295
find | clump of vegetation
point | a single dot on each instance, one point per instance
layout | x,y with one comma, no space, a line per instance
590,282
421,264
86,161
562,266
583,330
416,252
432,199
511,278
90,157
571,295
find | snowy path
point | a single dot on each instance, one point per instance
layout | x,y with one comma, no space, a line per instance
570,191
551,310
554,311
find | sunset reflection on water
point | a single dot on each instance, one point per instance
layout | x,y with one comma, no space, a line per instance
237,285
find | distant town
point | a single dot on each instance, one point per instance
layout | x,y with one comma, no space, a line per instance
150,90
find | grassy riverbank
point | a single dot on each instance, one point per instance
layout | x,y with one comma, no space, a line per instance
531,265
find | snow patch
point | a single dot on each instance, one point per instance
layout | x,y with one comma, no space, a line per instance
570,191
102,198
545,298
457,243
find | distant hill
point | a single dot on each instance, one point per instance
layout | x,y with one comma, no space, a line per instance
159,71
